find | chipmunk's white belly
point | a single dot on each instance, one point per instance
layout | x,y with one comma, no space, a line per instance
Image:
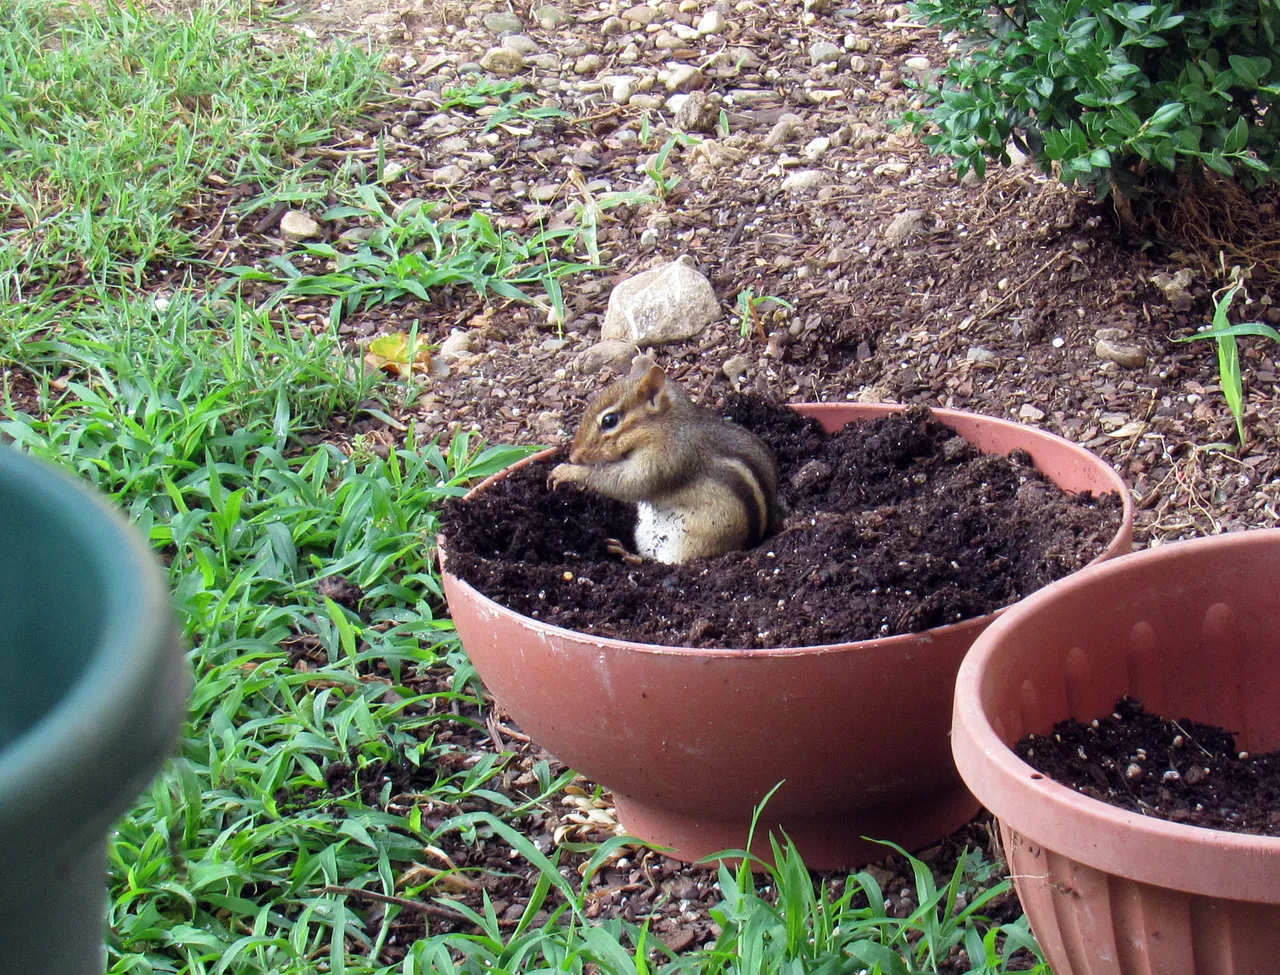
659,533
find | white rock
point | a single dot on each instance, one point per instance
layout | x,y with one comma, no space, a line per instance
457,345
296,225
824,52
816,148
668,303
805,181
1127,354
906,224
1030,413
684,78
712,22
521,43
735,368
623,89
448,175
615,354
502,60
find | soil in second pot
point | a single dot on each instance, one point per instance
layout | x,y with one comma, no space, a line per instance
1181,771
895,525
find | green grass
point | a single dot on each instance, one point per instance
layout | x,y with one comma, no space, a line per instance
110,122
217,426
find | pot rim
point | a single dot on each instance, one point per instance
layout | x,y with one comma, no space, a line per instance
1120,540
1219,863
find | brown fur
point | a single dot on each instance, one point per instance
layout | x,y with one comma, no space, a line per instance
642,439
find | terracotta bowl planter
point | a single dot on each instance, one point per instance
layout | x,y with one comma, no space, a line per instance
1192,630
690,740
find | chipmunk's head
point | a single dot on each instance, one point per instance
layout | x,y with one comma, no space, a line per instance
621,418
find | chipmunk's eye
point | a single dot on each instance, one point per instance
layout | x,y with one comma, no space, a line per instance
610,420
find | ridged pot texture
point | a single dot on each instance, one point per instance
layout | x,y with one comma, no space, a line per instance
1192,630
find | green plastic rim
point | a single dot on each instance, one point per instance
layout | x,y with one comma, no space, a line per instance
66,777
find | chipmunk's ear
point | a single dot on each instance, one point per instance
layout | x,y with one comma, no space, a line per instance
640,365
652,384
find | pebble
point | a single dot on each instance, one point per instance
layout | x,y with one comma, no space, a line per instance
615,354
550,16
1030,413
684,78
815,149
824,52
1126,354
805,181
503,61
500,23
588,64
623,89
712,22
906,224
735,368
641,15
521,43
448,175
296,225
784,130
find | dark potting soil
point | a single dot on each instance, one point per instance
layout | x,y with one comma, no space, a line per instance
896,525
1181,771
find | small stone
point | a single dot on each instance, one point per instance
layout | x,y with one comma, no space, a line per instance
668,303
553,345
783,130
815,149
908,223
613,353
806,181
448,175
623,89
697,113
641,15
1133,772
588,64
1030,413
917,65
544,62
503,61
457,345
981,355
296,225
548,424
521,43
1176,288
550,16
684,78
735,368
613,26
500,22
712,22
1126,354
645,102
824,52
1171,776
544,192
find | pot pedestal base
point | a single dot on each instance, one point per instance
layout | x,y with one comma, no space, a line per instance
825,843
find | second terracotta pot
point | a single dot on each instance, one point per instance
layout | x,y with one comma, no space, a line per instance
1192,630
690,740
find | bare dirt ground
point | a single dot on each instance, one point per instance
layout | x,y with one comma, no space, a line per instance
1013,297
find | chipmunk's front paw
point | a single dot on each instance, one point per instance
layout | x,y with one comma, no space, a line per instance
615,547
566,474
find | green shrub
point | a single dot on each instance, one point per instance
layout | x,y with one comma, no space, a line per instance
1110,94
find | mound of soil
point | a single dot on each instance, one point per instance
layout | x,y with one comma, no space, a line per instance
1181,771
896,525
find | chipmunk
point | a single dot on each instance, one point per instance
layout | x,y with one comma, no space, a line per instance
703,486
